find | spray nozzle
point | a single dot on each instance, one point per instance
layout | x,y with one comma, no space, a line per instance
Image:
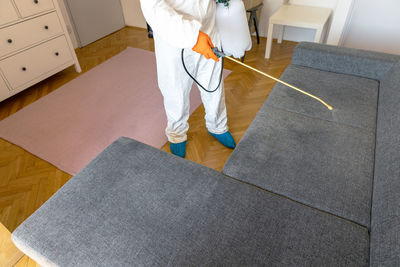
217,52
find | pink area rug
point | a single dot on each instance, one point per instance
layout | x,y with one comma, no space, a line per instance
73,124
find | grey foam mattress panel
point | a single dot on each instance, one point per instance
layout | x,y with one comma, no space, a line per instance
385,221
353,98
368,64
323,164
135,205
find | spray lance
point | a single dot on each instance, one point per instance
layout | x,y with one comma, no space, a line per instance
221,54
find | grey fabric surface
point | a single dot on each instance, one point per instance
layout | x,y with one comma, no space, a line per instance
350,61
325,165
353,98
385,245
385,221
137,206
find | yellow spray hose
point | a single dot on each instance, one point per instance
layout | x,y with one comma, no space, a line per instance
280,81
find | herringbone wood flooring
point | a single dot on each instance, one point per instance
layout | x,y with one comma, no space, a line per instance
27,181
25,261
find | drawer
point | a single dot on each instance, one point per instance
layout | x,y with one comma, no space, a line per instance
15,37
31,7
4,92
35,62
7,12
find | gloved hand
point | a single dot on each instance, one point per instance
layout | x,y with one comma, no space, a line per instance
204,45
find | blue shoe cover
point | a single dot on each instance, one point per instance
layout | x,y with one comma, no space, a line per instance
178,149
226,139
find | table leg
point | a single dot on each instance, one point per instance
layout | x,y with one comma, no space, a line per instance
250,21
256,26
269,41
318,36
281,32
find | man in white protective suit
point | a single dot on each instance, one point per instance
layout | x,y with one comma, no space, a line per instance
188,24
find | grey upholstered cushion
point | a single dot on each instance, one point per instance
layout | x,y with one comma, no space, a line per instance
385,223
325,165
353,98
138,206
350,61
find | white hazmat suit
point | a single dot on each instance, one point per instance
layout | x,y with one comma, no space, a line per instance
176,25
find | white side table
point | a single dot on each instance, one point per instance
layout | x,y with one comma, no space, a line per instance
297,16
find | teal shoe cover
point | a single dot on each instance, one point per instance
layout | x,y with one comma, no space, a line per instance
178,149
226,139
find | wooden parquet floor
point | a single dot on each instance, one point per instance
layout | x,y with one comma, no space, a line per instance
25,261
26,181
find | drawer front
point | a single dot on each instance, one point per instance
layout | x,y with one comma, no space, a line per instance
7,12
35,62
31,7
15,37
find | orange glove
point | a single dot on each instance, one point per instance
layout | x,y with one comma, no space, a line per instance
204,45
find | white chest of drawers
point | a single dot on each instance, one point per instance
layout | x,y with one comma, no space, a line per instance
34,44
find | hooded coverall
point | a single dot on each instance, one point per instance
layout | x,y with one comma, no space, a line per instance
176,25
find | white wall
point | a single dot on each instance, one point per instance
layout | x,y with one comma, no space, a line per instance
133,13
375,25
67,19
134,17
338,20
